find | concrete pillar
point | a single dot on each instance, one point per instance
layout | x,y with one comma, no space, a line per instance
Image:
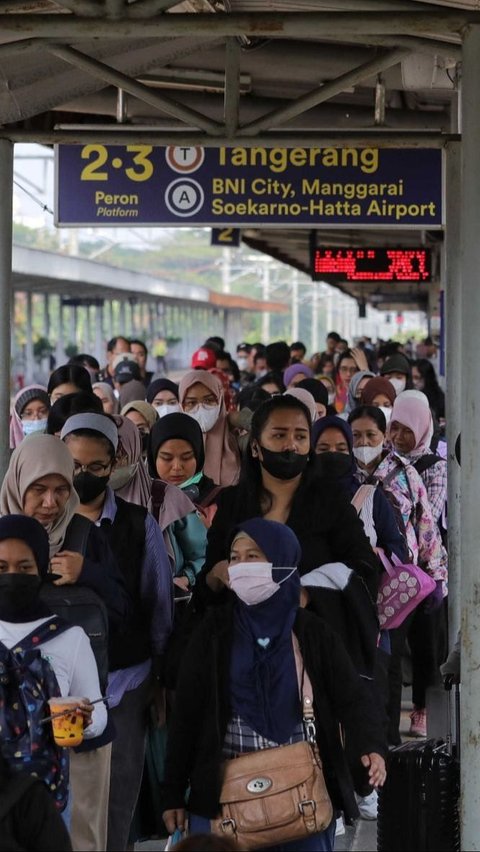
60,347
470,475
123,319
99,342
6,193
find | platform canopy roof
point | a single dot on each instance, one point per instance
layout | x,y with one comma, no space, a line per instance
249,72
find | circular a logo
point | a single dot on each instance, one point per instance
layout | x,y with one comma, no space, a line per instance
184,197
184,160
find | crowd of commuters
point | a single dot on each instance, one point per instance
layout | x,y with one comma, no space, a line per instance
193,563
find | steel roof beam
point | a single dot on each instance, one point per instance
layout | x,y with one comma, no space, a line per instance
232,86
143,93
266,25
385,138
324,93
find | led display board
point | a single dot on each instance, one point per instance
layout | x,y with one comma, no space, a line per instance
371,264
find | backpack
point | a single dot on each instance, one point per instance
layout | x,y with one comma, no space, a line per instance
27,681
80,605
423,464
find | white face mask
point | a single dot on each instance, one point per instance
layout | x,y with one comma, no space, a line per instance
31,427
387,413
331,398
205,415
366,455
242,363
398,384
252,582
166,408
260,374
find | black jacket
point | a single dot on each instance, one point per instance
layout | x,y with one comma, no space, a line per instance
202,711
29,818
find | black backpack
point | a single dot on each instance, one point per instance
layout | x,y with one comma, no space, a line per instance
80,605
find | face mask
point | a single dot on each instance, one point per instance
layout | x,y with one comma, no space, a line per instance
331,398
206,416
334,465
30,427
242,363
366,455
260,374
252,582
18,592
88,486
283,465
398,384
165,408
122,476
387,412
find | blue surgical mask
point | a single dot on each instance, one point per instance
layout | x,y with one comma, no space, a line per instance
30,427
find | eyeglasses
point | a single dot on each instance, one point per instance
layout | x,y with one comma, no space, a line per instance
191,404
96,468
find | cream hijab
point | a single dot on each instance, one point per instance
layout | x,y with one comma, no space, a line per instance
38,456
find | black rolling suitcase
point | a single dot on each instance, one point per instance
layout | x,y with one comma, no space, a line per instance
418,806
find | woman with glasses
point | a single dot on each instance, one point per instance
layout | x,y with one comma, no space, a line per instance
201,397
347,366
29,413
136,650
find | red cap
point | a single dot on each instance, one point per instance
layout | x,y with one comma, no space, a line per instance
204,358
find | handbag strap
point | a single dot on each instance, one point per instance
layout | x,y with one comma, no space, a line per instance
306,694
360,496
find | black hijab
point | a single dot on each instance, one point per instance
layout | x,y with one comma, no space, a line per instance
172,426
160,385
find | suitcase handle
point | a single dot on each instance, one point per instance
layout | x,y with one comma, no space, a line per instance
448,683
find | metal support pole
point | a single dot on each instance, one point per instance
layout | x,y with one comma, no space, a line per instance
123,318
295,305
225,270
99,333
60,348
470,418
46,316
453,317
30,364
266,298
314,334
6,193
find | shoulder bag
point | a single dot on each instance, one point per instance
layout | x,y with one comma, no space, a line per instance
276,795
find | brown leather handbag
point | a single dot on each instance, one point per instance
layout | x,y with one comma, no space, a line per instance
276,795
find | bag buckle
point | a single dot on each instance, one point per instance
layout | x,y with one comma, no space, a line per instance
228,825
310,730
307,803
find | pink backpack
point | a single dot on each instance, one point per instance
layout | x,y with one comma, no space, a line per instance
402,589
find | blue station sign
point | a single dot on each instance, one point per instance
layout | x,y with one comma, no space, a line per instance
138,185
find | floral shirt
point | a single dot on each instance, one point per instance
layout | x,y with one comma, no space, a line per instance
423,536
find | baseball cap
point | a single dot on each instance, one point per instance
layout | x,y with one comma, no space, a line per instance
204,358
125,370
244,347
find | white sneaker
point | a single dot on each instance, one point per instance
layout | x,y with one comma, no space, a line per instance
340,827
368,805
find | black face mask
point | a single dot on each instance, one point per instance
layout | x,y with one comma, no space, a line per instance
333,465
284,465
18,596
88,486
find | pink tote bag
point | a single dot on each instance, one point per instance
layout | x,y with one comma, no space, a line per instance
402,589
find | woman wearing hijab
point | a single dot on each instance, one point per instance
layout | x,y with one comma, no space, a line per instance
423,538
306,397
27,623
131,391
238,690
162,394
410,432
201,397
71,403
296,373
137,648
39,483
29,413
105,393
381,393
347,365
359,381
176,456
144,416
319,393
129,478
